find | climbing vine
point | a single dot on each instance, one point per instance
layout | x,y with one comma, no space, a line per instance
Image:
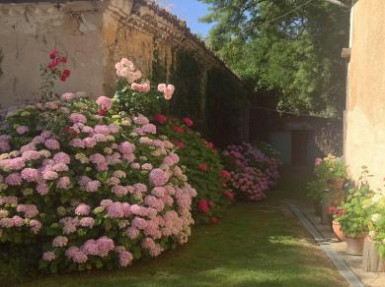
187,77
226,106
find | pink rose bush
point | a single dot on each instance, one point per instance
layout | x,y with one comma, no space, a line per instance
252,171
202,167
91,188
136,94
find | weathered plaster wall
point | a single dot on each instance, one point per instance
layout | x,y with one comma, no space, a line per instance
365,118
96,35
29,32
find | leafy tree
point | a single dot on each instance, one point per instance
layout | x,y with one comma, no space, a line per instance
289,48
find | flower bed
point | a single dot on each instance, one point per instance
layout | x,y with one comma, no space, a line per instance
202,166
92,185
252,172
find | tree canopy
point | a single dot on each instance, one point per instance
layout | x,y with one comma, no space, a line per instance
286,48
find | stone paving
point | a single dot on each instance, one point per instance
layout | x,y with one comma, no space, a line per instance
370,279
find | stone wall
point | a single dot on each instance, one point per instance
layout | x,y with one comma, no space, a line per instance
365,117
28,32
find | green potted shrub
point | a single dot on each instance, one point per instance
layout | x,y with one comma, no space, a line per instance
355,218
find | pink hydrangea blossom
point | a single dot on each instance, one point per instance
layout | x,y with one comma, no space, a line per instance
87,222
126,147
22,130
78,118
77,143
35,226
12,200
59,241
52,144
13,179
62,157
125,258
158,177
119,190
115,210
49,256
106,203
64,183
147,166
67,96
30,174
93,185
132,233
90,247
18,221
105,245
104,103
82,209
7,222
89,142
50,175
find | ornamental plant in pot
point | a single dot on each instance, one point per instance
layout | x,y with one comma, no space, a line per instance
333,170
374,245
336,212
354,221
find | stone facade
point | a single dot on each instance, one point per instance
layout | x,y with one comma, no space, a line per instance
95,34
365,112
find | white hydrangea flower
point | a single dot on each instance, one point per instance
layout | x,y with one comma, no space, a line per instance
376,217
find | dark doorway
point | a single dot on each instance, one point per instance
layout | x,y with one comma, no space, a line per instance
300,144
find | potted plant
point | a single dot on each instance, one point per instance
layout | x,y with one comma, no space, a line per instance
355,218
374,245
333,170
336,212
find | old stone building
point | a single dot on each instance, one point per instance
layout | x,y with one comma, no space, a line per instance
97,34
365,112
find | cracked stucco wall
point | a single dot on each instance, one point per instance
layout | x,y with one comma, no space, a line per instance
29,32
365,118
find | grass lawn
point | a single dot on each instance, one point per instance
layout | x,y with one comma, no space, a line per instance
256,244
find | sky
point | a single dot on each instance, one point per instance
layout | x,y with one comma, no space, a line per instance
191,11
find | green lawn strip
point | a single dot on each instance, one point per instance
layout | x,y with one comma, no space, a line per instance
256,244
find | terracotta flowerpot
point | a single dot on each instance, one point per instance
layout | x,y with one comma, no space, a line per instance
337,184
336,226
355,246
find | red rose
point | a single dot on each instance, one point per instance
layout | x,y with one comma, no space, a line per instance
160,118
102,112
63,59
179,144
229,195
225,174
214,219
203,166
203,206
188,122
67,130
53,54
53,64
178,129
66,73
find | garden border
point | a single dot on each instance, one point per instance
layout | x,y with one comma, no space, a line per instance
323,242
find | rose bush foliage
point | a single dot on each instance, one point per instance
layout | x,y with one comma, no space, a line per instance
252,172
203,167
91,184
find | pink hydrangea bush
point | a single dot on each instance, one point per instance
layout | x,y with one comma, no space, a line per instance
93,188
252,171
